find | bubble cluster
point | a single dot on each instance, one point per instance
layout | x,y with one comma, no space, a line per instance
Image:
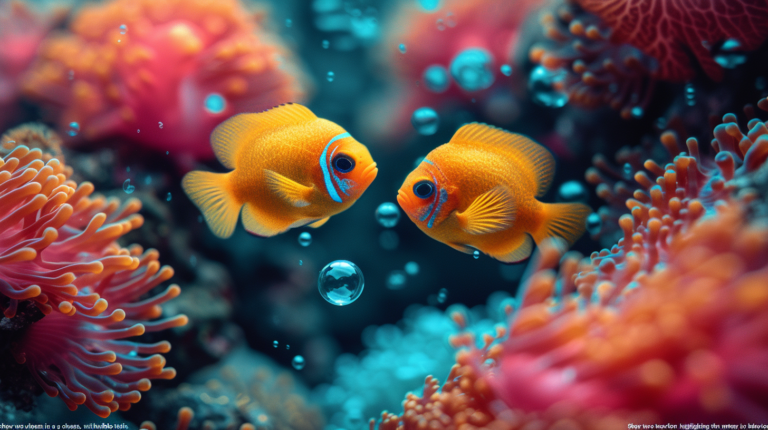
472,69
425,120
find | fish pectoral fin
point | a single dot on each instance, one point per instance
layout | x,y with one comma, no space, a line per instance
319,222
492,211
210,192
514,251
260,223
296,194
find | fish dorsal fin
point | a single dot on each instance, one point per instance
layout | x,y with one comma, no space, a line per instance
227,138
492,211
516,145
291,191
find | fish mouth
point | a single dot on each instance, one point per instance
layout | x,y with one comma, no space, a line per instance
370,172
402,199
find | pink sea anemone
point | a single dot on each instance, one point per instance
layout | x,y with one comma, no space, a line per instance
59,250
669,325
162,73
21,31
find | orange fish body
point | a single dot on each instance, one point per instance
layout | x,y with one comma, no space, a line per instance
291,168
480,192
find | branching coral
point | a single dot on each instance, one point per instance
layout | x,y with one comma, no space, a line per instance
162,73
21,31
668,325
59,250
614,51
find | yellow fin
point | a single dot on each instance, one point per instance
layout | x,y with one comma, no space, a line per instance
516,250
516,145
227,138
262,224
565,220
319,223
293,192
209,192
492,211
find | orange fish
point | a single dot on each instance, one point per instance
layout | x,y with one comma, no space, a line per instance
291,169
479,192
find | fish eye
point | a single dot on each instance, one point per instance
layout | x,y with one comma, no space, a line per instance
423,189
343,163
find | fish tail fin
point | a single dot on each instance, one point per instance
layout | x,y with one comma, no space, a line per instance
565,220
211,193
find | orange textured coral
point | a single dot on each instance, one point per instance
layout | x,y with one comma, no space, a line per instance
147,69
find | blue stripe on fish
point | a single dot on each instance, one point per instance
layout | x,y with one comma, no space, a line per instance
443,199
326,172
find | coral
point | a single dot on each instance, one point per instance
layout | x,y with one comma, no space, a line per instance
595,69
59,251
669,32
669,325
185,417
455,56
21,31
162,73
33,136
245,389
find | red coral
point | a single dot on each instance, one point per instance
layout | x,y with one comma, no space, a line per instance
59,250
162,73
669,30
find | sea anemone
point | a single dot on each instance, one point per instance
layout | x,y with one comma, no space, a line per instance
162,73
59,250
613,52
462,53
33,136
669,325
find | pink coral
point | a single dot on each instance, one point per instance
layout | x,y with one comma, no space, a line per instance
489,28
59,250
21,31
669,325
162,73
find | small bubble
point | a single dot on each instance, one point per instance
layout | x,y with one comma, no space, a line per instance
425,120
506,69
627,171
193,260
449,20
275,343
396,280
637,112
215,103
147,180
440,25
167,152
402,48
472,69
138,131
330,76
326,44
127,187
442,295
160,124
298,362
168,197
288,23
301,262
128,169
387,214
690,94
71,75
340,282
760,83
544,86
389,240
476,254
594,223
74,128
412,268
305,238
123,29
287,346
572,191
436,78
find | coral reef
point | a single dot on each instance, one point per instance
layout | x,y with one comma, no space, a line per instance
21,31
33,136
60,253
605,59
245,389
463,53
161,73
667,325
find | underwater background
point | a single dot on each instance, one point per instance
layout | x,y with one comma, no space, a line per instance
653,111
